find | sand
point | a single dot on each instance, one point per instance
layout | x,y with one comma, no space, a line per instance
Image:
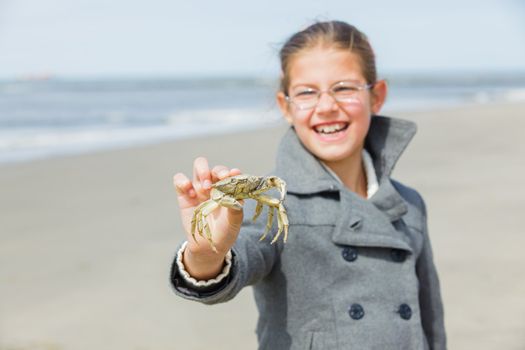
87,241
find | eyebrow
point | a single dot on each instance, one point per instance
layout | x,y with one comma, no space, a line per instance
302,85
313,86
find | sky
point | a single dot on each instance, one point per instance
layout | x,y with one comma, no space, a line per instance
174,38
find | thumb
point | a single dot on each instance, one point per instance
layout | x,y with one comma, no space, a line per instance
235,218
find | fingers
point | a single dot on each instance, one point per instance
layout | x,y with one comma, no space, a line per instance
183,186
220,172
203,178
201,174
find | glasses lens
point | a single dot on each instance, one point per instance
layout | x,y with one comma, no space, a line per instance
306,98
346,91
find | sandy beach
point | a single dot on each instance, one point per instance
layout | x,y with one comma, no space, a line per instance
87,241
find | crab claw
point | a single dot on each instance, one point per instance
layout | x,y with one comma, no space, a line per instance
281,185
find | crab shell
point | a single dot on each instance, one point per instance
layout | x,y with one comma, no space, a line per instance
248,186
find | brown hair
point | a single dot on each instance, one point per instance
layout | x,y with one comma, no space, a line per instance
334,33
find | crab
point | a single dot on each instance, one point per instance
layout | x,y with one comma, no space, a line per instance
227,192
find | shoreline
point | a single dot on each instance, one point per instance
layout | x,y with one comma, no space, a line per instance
28,156
87,240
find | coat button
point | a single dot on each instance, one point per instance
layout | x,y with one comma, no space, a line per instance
405,311
356,311
398,255
349,253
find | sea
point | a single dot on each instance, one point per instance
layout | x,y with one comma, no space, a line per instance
52,117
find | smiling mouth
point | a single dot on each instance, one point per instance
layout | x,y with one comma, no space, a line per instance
328,129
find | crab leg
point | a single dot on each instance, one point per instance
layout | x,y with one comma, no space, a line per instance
258,211
200,221
282,189
196,220
280,226
282,219
268,223
199,217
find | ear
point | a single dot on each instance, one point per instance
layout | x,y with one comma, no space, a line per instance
379,92
284,106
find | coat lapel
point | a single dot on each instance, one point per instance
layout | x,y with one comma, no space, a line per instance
361,223
300,169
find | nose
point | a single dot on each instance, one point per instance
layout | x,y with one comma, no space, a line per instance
326,103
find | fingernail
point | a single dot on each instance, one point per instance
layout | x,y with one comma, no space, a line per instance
223,173
206,184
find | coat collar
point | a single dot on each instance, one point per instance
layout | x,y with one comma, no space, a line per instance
386,140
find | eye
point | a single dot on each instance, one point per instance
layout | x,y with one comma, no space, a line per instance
345,88
305,93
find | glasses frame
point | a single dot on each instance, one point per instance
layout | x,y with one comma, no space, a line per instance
359,86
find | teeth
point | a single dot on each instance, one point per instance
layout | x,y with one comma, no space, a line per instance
328,129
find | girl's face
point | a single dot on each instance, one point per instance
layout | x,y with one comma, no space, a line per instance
332,131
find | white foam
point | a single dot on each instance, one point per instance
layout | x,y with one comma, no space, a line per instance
514,95
22,144
232,116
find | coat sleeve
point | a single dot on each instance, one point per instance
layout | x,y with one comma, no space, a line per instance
252,260
432,315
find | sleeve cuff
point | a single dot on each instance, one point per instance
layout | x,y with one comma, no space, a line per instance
195,283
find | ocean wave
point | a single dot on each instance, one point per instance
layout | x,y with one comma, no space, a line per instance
515,95
232,116
22,144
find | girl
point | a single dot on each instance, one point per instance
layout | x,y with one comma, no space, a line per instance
357,271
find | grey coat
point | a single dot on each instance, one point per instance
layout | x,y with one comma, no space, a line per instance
354,274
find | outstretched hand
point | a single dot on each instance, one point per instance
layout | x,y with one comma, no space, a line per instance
199,258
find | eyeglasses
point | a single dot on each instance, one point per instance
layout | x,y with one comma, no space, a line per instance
342,92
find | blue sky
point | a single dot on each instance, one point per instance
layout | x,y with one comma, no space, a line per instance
93,38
